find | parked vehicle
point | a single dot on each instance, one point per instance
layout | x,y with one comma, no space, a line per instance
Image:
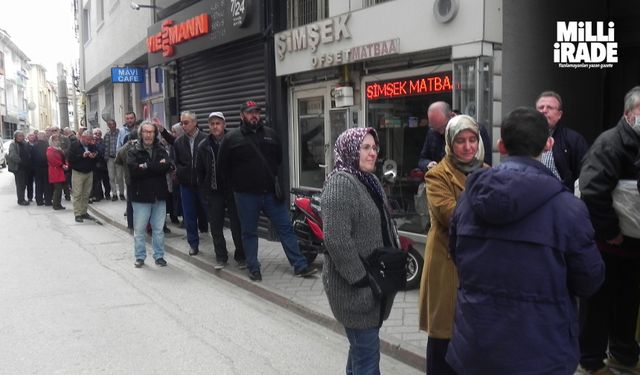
307,224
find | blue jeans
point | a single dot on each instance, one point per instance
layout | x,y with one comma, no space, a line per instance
190,202
154,214
249,207
364,351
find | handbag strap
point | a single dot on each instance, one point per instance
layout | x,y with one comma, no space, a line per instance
264,160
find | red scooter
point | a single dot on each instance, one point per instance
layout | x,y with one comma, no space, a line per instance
307,225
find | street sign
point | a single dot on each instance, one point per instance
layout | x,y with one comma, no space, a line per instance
127,75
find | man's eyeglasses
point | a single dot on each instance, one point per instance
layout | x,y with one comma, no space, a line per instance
367,148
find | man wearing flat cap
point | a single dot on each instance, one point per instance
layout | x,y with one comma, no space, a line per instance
250,157
216,194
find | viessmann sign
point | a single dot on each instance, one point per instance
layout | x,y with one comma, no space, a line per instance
201,26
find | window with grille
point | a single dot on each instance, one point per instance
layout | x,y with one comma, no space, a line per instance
307,11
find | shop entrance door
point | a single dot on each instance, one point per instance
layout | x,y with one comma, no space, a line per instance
315,129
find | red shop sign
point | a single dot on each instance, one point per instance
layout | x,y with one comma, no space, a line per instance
423,85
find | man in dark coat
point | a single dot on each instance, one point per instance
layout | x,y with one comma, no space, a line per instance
185,148
569,146
610,315
82,157
148,164
19,163
216,194
249,160
524,250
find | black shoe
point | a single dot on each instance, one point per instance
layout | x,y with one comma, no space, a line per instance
160,262
114,198
306,272
91,200
242,264
79,219
23,203
255,276
57,208
122,198
194,251
220,264
140,262
67,199
40,203
88,217
48,204
174,219
166,229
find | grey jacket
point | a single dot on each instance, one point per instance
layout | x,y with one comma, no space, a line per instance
352,228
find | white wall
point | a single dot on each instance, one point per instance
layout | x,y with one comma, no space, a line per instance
121,30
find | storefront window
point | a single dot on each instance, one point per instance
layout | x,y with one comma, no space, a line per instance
397,109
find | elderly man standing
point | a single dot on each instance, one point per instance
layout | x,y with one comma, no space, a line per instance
148,165
185,148
19,162
217,194
82,157
569,146
129,125
249,160
439,114
116,179
101,187
609,316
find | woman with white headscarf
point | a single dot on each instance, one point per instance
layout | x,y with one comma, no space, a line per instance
445,182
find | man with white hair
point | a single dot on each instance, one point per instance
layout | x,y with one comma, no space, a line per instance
610,315
82,156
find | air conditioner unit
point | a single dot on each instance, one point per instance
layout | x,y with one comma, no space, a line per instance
343,96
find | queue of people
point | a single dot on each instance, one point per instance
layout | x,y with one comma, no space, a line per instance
510,250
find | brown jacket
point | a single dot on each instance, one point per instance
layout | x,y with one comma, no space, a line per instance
439,277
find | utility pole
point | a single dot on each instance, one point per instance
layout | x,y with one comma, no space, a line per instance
63,98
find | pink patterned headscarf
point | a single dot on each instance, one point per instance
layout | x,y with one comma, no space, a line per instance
346,154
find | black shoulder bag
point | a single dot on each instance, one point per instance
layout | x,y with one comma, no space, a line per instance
277,189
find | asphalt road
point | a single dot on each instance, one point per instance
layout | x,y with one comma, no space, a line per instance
71,302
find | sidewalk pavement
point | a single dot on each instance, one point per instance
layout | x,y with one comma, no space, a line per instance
399,335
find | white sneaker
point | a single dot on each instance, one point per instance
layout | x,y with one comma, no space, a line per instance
219,265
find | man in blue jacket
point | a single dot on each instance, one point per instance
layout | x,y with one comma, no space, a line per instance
524,249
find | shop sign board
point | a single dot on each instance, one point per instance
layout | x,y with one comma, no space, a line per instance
204,25
413,86
374,32
127,75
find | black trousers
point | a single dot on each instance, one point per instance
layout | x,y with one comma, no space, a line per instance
217,204
41,179
100,180
609,317
436,351
21,183
30,179
57,194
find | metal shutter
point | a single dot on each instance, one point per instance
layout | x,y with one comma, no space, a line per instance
221,78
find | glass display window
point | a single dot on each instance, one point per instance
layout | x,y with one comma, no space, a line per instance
397,109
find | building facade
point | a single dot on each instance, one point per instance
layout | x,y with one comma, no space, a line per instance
43,104
375,63
14,70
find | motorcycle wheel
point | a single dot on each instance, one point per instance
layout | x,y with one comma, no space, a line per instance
415,264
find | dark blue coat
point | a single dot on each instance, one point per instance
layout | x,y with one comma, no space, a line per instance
524,251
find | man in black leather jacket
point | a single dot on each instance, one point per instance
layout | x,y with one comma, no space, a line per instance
249,160
610,316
